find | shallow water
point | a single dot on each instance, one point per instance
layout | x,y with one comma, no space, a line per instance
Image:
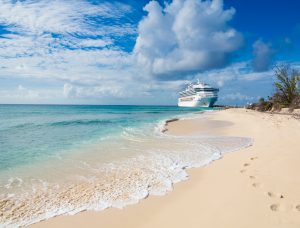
64,159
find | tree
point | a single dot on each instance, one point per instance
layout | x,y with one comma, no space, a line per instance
287,84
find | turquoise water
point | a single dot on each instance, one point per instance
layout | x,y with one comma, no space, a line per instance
57,159
29,133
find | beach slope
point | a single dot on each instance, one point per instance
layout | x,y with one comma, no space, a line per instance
257,186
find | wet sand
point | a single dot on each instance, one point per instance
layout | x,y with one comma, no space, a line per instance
255,187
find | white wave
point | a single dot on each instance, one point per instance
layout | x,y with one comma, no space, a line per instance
161,161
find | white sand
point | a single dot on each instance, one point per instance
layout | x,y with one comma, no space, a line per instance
256,187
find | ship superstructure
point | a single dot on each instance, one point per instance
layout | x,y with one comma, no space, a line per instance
198,95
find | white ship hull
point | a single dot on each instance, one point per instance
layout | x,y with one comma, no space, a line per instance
198,95
197,101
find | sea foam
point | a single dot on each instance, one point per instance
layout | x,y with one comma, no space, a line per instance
161,161
118,169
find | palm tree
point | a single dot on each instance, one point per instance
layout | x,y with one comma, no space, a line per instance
287,84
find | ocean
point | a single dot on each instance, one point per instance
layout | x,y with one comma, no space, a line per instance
63,159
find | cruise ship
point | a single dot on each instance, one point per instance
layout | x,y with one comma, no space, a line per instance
198,95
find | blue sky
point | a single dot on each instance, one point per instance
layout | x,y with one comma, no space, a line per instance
143,52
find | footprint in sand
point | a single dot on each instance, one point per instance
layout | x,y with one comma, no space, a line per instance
246,164
256,185
242,170
252,177
271,194
274,207
253,158
298,207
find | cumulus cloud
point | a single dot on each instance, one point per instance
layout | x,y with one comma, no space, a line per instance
74,43
185,37
76,46
263,56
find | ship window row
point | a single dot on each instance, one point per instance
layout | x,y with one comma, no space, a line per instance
186,95
189,93
205,90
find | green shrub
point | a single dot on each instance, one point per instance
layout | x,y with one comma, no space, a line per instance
286,85
287,91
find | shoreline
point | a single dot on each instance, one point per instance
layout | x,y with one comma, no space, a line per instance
168,170
204,181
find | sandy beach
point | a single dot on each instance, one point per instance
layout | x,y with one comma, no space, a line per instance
258,186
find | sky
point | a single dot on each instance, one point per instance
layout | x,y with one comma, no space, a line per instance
143,52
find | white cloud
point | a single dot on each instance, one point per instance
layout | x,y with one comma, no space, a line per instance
61,41
239,72
65,41
57,16
263,56
57,40
41,27
185,36
237,96
69,90
125,89
21,94
97,91
94,43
